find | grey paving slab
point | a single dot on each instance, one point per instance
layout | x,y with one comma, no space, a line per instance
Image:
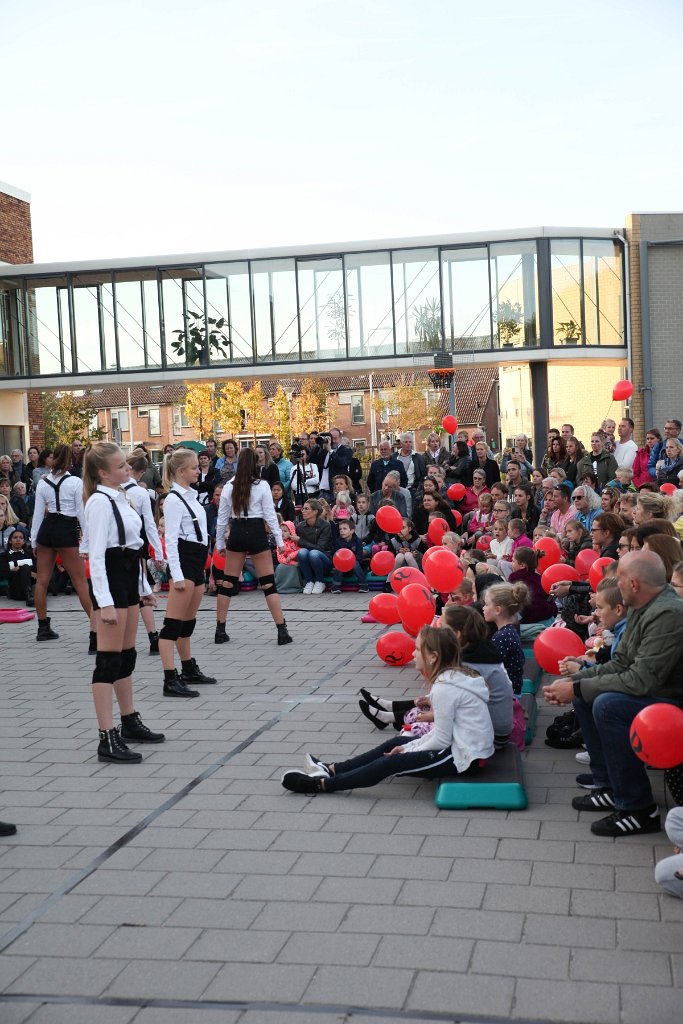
71,1013
587,1003
462,993
282,982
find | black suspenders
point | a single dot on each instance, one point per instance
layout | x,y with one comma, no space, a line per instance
197,527
118,519
55,488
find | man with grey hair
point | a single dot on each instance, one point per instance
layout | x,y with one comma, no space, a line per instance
645,669
386,462
391,489
412,462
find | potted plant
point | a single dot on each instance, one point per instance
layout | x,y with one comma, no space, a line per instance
508,316
196,339
427,320
569,331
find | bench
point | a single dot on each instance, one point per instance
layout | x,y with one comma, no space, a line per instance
499,784
528,702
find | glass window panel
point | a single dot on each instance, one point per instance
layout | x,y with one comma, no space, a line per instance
150,293
603,292
321,308
227,296
131,325
514,284
154,422
357,409
49,342
12,330
183,311
106,296
565,269
417,301
368,297
87,323
466,296
275,312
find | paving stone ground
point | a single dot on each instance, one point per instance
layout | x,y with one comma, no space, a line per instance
192,888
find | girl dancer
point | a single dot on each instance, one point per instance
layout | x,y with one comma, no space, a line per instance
115,548
142,503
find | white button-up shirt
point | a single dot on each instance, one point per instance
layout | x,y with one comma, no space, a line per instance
180,526
102,532
140,499
70,501
260,507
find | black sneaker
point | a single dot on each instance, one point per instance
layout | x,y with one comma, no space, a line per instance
6,829
336,590
599,799
300,782
364,590
135,730
628,823
195,675
316,768
586,781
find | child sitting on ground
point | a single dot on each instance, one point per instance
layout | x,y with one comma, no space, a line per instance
501,544
481,520
347,539
17,565
453,542
540,610
290,555
287,576
364,518
405,546
503,605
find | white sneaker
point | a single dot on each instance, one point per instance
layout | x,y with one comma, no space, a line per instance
316,768
308,589
318,588
583,757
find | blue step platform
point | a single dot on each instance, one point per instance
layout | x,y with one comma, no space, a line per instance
499,784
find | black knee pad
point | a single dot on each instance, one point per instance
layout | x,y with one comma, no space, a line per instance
233,581
170,629
187,628
128,659
107,667
269,582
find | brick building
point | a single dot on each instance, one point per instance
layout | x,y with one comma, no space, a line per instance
18,411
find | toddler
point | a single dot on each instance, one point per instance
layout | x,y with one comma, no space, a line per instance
290,555
481,520
159,570
623,480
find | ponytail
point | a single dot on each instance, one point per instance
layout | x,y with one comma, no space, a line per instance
96,458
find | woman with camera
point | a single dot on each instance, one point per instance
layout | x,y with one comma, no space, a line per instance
305,479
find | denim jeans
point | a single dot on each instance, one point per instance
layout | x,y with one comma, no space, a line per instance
313,565
358,575
373,766
606,727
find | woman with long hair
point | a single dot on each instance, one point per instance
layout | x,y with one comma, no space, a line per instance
58,519
459,465
575,452
462,733
267,470
555,456
641,473
43,466
304,481
117,582
246,506
187,545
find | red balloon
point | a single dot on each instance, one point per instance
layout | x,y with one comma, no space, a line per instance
436,530
443,571
382,562
457,516
400,578
549,552
622,390
389,519
219,560
668,489
559,573
484,543
86,566
584,560
395,648
556,643
415,606
384,607
344,560
207,564
595,573
449,424
657,735
456,492
58,560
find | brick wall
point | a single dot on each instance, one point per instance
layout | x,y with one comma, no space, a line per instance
36,423
16,244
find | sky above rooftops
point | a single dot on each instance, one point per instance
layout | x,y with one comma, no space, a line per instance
164,127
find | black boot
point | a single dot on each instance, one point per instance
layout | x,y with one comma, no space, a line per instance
134,729
153,643
92,646
175,687
220,637
112,748
283,636
6,829
193,674
45,632
30,603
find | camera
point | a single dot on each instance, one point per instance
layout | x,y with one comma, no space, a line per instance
324,439
295,453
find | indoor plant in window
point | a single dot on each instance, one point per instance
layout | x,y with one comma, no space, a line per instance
508,316
569,332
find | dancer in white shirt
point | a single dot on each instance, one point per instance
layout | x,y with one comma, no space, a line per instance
187,544
247,505
117,581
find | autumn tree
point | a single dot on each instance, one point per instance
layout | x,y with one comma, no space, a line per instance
280,423
199,408
228,404
69,416
310,408
253,403
404,407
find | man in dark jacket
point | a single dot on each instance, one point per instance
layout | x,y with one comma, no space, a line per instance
645,669
390,490
412,462
383,465
332,458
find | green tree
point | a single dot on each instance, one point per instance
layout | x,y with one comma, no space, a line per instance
403,408
228,404
68,416
310,407
257,421
280,421
199,408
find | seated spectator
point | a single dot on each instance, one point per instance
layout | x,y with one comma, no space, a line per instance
364,518
668,548
587,505
640,467
540,610
537,479
283,505
389,489
627,506
609,499
18,568
405,546
379,468
670,462
623,480
669,872
576,538
559,476
501,544
377,539
479,522
518,536
503,605
343,508
21,504
432,503
563,509
652,505
453,542
645,669
478,487
315,543
606,530
347,539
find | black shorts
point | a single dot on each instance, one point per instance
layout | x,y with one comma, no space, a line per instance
192,561
247,535
123,575
58,531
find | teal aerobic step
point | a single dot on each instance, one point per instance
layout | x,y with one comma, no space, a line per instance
528,702
531,685
499,784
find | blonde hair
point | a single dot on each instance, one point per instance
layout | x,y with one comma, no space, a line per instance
659,506
511,597
96,458
11,518
174,461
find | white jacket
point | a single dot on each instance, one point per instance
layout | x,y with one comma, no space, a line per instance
461,719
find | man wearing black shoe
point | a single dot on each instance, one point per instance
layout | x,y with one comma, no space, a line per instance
645,669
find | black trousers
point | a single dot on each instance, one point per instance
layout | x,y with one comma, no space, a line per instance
375,765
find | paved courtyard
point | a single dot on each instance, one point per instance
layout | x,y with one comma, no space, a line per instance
192,889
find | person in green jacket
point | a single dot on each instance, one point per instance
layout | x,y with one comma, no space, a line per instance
645,669
598,461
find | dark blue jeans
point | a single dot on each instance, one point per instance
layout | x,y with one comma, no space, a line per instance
606,727
314,565
371,767
358,575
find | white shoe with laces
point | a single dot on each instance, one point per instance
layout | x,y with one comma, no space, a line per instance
318,588
583,757
308,589
316,768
